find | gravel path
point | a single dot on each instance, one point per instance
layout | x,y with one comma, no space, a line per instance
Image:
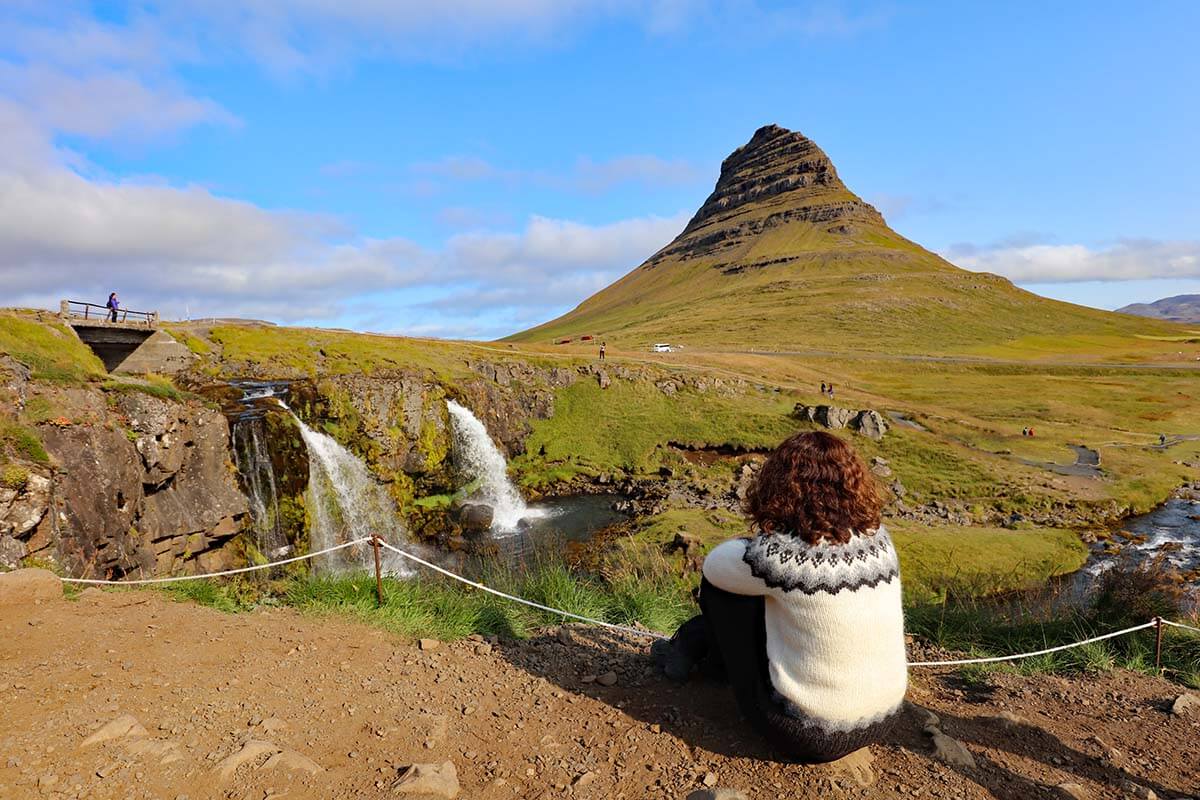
335,709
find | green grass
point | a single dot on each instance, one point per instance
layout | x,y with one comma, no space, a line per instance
153,385
959,562
48,348
424,606
936,562
22,442
619,429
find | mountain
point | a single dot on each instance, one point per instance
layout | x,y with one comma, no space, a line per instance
783,255
1180,308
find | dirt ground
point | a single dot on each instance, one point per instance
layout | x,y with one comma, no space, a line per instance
336,709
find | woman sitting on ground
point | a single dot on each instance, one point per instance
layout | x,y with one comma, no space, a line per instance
805,618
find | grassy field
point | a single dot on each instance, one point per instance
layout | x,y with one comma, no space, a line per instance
937,563
52,352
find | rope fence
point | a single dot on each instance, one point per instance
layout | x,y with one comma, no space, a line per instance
377,543
240,570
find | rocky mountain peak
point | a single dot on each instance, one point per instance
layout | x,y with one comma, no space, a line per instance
778,177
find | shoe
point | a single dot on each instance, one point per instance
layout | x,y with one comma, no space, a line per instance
674,664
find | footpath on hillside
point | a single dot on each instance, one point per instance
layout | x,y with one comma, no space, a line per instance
130,695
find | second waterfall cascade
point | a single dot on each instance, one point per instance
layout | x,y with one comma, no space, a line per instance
477,455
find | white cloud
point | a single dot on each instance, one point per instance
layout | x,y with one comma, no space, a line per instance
1130,259
185,249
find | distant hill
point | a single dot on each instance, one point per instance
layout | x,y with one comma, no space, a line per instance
1180,308
783,255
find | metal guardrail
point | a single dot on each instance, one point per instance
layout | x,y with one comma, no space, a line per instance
93,312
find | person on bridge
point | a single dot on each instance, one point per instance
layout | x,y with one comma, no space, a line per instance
113,304
804,618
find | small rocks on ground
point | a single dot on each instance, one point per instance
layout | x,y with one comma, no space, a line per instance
1185,704
427,644
439,780
1073,791
717,793
607,679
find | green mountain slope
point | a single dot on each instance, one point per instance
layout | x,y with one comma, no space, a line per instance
783,255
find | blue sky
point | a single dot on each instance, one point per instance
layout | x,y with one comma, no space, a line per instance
480,166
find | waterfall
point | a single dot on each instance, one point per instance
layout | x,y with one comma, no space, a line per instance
258,477
477,456
346,502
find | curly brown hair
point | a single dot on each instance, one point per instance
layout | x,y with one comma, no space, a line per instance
816,487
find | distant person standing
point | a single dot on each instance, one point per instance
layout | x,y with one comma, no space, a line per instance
822,387
603,347
831,391
113,305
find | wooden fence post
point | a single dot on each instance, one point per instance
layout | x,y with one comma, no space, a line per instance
1158,633
378,573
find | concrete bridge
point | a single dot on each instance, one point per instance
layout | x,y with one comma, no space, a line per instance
132,344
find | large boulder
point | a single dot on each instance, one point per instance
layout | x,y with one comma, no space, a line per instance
29,586
833,417
870,424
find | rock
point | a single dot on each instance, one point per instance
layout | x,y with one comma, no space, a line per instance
271,725
898,488
951,750
427,644
476,517
291,760
162,750
29,586
1138,791
1186,703
880,467
607,679
804,413
125,726
28,505
717,793
251,750
583,781
710,779
438,780
1073,791
832,417
12,552
857,766
870,424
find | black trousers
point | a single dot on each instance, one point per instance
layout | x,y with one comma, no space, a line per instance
729,639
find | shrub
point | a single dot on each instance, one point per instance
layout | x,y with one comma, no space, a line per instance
1130,593
14,477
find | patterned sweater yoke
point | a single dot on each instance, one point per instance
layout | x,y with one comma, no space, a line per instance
834,623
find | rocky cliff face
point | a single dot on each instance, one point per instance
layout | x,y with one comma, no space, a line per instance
128,483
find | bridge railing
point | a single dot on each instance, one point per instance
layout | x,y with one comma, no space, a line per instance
93,312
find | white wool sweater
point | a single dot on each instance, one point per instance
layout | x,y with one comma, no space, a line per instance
834,622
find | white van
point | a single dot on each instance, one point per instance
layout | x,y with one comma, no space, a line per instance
662,347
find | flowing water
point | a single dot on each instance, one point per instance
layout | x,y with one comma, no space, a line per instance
478,457
346,502
520,529
1170,532
249,433
258,477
